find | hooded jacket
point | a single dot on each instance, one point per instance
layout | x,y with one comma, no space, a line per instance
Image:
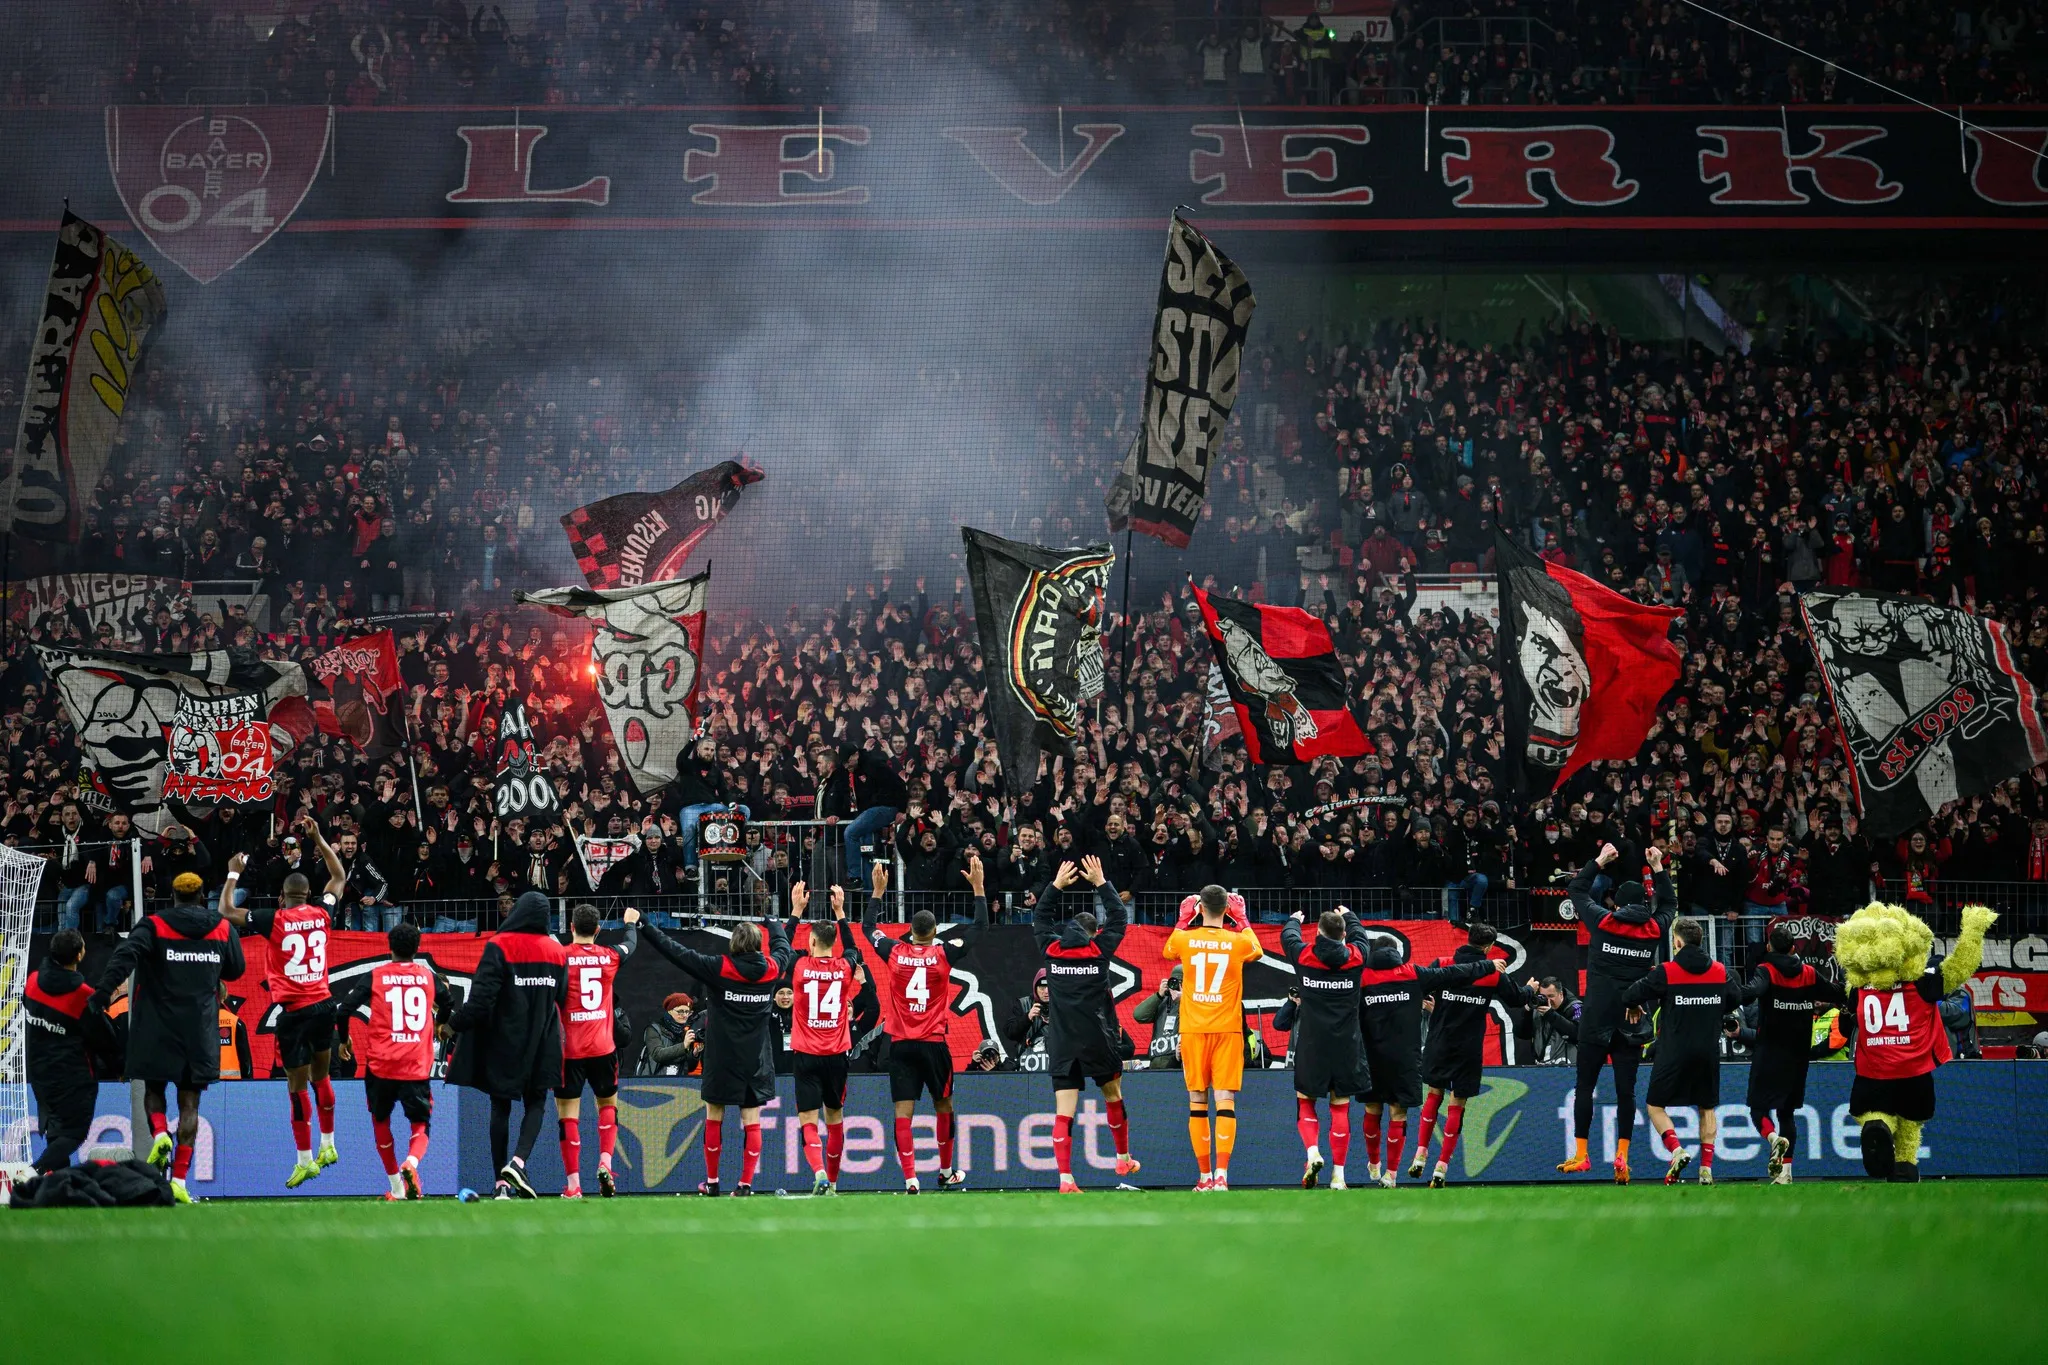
510,1026
739,991
1692,993
1327,1037
179,956
54,1003
1622,945
1081,1025
1788,993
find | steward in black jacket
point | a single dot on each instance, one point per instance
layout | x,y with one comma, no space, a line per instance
1622,944
59,1060
1081,1035
509,1029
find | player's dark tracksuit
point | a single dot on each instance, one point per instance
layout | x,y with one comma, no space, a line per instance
739,1066
1787,992
509,1030
1329,1045
1455,1055
1692,993
1622,945
179,957
59,1064
1390,1014
1081,1026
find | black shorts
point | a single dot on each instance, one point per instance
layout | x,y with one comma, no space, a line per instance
1777,1080
1338,1075
1911,1099
1392,1079
1681,1081
415,1097
601,1072
918,1068
302,1032
820,1081
1456,1075
1070,1073
748,1090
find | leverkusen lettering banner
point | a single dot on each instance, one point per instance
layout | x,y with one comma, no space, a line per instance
1448,183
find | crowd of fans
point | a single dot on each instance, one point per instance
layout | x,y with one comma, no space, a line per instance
785,52
1364,463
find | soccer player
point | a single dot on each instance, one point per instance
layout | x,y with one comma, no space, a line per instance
1621,947
918,985
823,985
1329,1052
297,931
1454,1058
1788,994
1390,996
54,1002
509,1029
407,999
590,1047
738,1066
1694,992
1213,955
178,956
1080,1033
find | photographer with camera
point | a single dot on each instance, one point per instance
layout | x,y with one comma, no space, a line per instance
1026,1032
1161,1010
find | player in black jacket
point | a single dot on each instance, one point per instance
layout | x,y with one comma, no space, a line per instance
59,1051
1696,993
1329,1050
1390,996
179,957
1788,992
1622,944
509,1029
1081,1027
1454,1059
739,1065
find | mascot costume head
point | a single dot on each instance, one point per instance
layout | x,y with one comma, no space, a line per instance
1885,948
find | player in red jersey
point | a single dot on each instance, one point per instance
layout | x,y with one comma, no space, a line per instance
590,1048
407,999
823,985
297,931
919,991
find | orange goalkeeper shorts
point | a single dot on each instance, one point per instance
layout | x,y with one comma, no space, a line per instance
1212,1060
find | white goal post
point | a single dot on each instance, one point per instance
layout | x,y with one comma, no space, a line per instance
20,875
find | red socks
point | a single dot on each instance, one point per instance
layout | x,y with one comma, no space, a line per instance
1454,1120
570,1131
1670,1139
323,1097
814,1146
1397,1140
1063,1144
181,1160
1306,1122
607,1133
1429,1108
387,1150
1765,1126
158,1126
1706,1154
906,1153
945,1142
750,1153
1340,1131
1372,1135
714,1145
1120,1127
302,1120
835,1147
416,1150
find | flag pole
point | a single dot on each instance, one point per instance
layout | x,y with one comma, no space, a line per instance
1124,666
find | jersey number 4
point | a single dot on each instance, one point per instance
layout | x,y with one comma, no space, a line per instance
1883,1014
918,991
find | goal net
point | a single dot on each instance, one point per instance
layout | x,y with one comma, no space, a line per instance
20,874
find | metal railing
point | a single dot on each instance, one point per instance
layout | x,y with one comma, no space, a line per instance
61,907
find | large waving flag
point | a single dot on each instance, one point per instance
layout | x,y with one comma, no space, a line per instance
1285,682
637,538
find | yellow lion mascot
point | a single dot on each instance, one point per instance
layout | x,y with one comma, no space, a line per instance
1893,995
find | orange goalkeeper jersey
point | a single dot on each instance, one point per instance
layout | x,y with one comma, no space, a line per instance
1212,976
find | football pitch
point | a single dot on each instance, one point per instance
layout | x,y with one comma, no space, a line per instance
1824,1271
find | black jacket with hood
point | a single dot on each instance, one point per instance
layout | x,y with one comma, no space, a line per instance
179,956
510,1027
1082,1027
1622,945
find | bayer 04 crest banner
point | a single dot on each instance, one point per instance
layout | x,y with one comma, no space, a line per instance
1582,668
648,647
97,315
220,750
1205,310
1930,703
1280,668
1039,611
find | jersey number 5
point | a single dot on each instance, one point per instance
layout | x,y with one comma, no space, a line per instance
590,988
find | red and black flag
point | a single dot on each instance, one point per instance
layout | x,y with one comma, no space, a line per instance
638,538
1582,668
1281,668
1932,705
353,684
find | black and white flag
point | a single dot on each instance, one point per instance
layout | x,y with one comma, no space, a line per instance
647,649
1929,700
1039,612
521,786
600,853
1205,310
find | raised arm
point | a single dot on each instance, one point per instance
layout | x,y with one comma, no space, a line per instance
1962,964
337,880
1290,937
1116,917
704,966
229,911
969,933
1045,906
849,941
779,951
1650,987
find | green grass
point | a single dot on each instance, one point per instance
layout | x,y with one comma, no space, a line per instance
1741,1272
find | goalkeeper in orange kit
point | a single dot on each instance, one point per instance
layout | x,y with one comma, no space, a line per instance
1212,952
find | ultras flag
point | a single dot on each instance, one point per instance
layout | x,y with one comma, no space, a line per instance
97,314
1205,311
1039,612
1582,668
647,650
1285,683
1929,700
519,786
353,684
637,538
